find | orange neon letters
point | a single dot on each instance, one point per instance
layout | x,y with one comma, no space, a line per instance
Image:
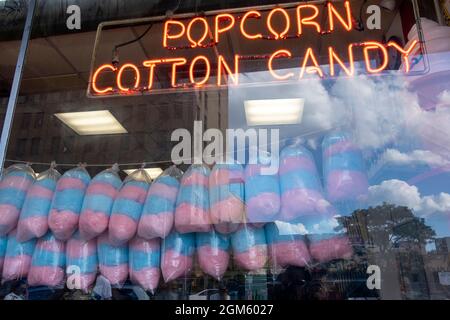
373,45
119,77
310,69
95,78
332,12
222,64
199,42
307,20
167,36
282,34
279,54
218,30
207,74
405,52
333,56
253,14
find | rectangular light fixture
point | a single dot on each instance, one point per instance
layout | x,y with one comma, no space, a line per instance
274,111
152,172
92,122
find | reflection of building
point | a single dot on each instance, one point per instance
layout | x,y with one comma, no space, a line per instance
443,245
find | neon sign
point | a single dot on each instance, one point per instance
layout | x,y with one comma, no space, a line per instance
278,24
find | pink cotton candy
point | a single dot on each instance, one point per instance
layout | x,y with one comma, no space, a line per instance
189,219
32,227
86,281
1,265
102,188
16,267
147,278
291,253
164,191
46,276
230,210
346,186
213,261
92,224
117,275
329,249
253,259
9,216
155,225
70,183
196,179
40,192
175,265
121,229
297,202
262,206
63,223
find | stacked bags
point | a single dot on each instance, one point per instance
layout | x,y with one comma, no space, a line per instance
13,189
226,195
192,208
3,242
98,202
144,262
67,202
249,248
177,255
48,263
157,217
212,253
17,258
127,207
113,260
81,256
33,221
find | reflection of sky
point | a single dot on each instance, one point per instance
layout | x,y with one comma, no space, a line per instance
403,135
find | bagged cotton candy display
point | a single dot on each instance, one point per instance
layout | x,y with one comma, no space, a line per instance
3,242
144,262
81,256
226,196
249,248
17,258
329,246
192,209
33,221
48,263
177,255
343,168
98,202
16,181
67,202
212,253
157,217
127,208
262,191
287,245
113,260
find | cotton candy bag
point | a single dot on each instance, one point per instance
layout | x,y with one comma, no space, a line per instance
3,243
81,258
226,195
17,258
33,221
287,245
48,263
113,260
157,217
249,248
98,202
213,253
16,181
67,201
192,207
144,262
177,255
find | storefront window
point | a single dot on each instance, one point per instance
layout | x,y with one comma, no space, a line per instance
336,185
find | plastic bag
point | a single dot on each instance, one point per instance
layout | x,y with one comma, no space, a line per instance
343,168
16,181
82,259
98,202
145,261
192,209
127,207
287,245
177,255
67,202
249,248
113,260
33,221
3,242
262,192
330,246
213,253
17,258
226,195
48,263
159,209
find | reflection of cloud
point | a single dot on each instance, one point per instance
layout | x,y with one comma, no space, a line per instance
401,193
286,228
415,157
444,99
325,226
